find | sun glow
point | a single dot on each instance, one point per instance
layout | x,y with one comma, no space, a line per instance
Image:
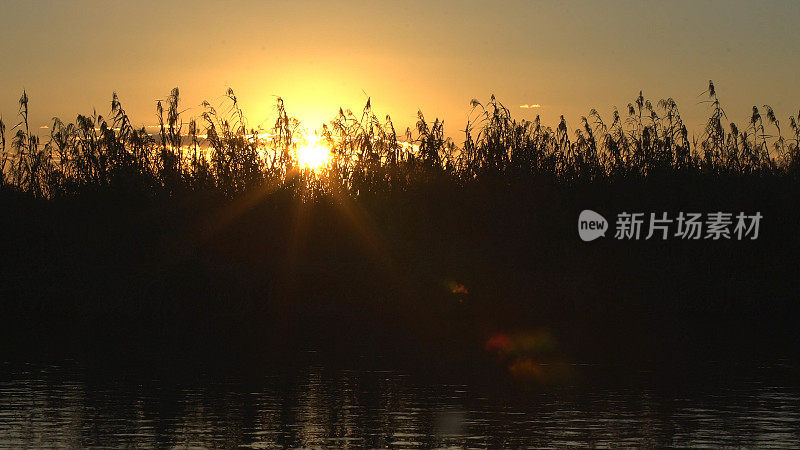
313,154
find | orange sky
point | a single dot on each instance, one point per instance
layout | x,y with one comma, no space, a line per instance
565,56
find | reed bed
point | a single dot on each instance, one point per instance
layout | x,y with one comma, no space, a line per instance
209,237
220,152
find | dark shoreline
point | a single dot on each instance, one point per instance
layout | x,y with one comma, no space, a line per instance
91,276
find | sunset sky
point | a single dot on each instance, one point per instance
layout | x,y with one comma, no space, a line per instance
566,57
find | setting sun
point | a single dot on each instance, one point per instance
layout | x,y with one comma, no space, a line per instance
312,154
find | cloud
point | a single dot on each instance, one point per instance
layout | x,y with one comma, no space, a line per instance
527,106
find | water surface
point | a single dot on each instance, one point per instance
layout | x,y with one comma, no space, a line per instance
69,405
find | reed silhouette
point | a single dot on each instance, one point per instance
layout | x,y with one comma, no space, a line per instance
228,157
210,237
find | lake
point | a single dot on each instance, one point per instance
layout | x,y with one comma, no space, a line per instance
313,405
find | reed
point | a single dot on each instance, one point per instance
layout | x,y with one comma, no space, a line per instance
4,154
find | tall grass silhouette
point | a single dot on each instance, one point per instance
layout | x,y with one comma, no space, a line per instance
220,152
211,231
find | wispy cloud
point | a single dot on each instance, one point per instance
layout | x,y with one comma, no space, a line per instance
527,106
